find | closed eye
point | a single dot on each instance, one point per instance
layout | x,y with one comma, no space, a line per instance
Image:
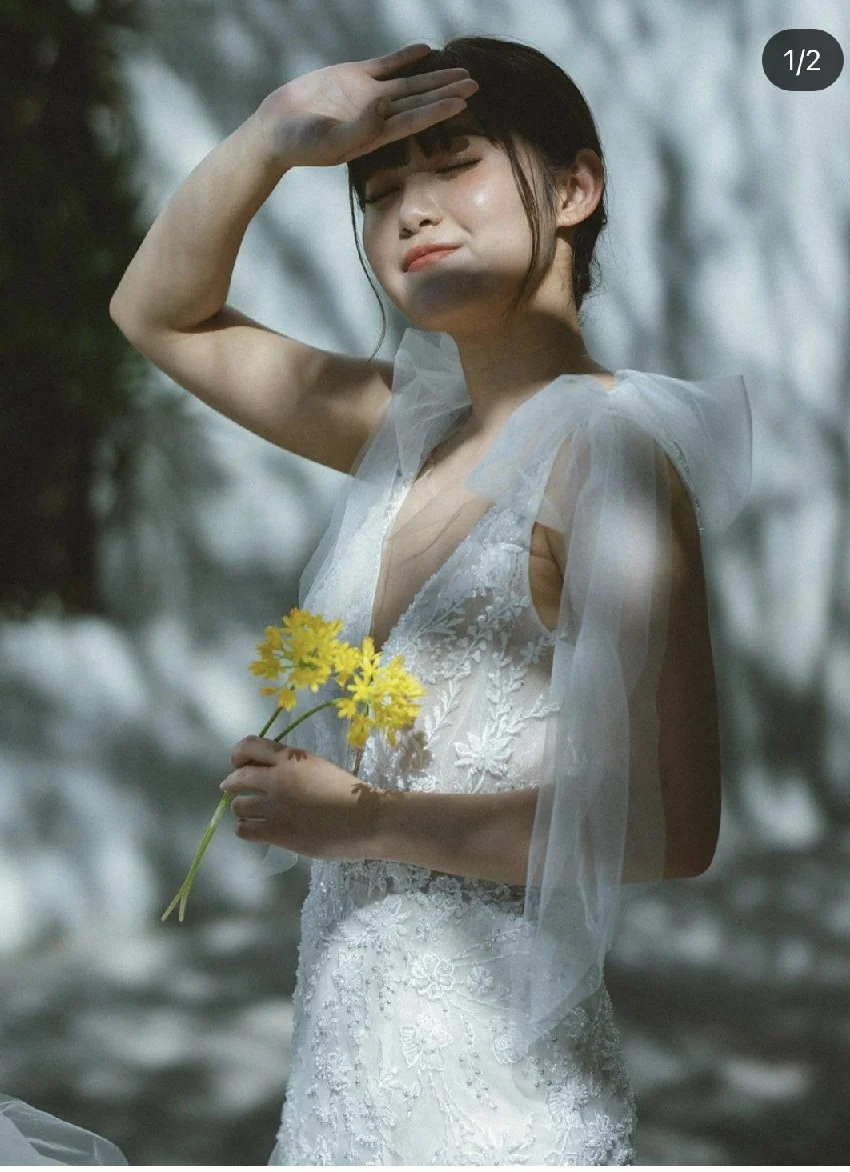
451,167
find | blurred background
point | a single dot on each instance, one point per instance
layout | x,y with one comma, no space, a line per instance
147,542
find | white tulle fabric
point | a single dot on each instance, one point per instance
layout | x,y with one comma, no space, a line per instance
29,1136
589,463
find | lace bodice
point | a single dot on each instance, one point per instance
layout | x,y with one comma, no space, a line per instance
511,704
440,1019
444,1019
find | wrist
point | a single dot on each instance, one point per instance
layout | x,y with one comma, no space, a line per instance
386,830
274,119
262,127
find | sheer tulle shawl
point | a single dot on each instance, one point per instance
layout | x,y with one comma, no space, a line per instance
599,834
590,464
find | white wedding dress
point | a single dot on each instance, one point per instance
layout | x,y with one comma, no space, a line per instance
440,1019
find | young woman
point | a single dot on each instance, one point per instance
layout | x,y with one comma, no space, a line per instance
523,527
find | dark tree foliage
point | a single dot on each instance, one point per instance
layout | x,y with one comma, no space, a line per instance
68,230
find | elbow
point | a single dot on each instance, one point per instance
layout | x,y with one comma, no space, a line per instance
118,309
701,864
705,860
122,309
115,312
685,868
128,324
690,855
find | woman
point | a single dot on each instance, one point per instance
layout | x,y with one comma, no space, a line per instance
523,527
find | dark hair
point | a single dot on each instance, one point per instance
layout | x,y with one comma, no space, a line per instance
524,93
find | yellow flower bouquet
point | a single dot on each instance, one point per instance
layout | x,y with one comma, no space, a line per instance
303,653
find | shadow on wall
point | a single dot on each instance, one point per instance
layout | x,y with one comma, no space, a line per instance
730,994
173,1040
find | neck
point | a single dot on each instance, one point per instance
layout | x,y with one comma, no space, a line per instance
502,371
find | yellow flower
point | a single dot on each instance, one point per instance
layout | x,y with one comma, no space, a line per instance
386,693
303,649
307,650
303,653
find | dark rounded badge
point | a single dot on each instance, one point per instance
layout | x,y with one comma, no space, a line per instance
802,59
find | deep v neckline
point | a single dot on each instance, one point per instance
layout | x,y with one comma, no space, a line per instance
404,488
440,568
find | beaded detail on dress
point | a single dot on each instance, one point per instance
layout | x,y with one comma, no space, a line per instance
402,1044
440,1019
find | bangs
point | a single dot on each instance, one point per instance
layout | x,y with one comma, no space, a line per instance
529,108
431,141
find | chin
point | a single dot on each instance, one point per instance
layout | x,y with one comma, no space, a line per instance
455,307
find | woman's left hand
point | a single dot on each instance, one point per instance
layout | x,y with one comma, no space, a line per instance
294,799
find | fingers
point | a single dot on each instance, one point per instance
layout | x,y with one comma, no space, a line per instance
462,88
381,66
248,777
412,121
257,830
399,87
249,806
254,751
251,817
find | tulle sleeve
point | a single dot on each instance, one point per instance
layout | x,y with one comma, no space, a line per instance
30,1136
599,833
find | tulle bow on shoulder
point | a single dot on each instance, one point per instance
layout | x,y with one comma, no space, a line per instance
588,462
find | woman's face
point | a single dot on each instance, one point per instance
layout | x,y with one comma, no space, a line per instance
463,196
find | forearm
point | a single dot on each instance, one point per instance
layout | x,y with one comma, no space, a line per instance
481,836
181,274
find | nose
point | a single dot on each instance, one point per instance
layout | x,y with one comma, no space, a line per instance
418,207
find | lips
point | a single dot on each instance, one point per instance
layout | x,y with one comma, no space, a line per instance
422,250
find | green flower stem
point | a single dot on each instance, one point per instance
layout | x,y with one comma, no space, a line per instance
186,886
295,723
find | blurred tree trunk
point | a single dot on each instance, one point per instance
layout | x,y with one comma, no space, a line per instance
68,229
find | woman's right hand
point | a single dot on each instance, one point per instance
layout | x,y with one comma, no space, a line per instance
334,114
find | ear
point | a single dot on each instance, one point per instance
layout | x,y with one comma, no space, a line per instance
580,188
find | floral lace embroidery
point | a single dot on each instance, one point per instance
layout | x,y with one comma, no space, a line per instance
402,1047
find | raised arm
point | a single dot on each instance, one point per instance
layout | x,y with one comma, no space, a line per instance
171,301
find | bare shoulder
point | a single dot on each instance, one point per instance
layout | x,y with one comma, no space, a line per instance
686,548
